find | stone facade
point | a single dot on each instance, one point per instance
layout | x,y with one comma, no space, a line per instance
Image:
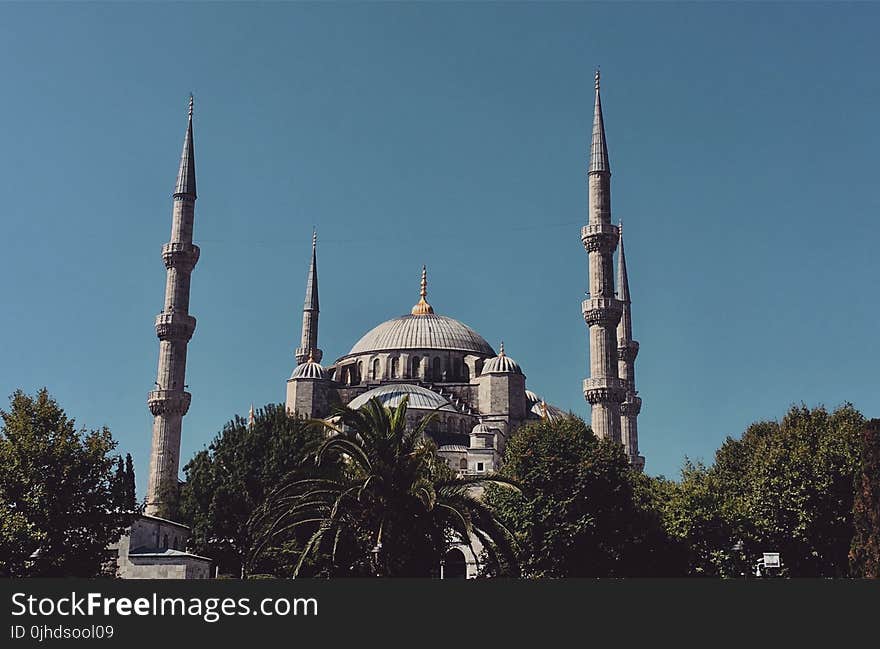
154,548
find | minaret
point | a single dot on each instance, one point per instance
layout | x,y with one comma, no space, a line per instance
309,341
169,402
602,311
627,350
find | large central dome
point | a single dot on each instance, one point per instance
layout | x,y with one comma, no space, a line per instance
427,331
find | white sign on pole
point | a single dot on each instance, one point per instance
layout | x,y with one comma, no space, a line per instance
771,560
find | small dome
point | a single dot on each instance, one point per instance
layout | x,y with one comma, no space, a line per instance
309,370
501,364
482,429
391,395
543,410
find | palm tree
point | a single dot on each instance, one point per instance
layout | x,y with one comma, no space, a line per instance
395,507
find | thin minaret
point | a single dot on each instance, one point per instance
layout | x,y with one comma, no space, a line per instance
169,402
602,311
309,341
627,350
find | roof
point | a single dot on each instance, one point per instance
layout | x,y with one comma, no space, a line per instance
427,331
391,395
501,364
309,370
452,448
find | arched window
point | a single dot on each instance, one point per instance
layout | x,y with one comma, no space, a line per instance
478,367
465,372
359,375
462,464
437,372
395,363
165,542
374,372
415,367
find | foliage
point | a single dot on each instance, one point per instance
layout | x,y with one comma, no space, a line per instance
783,487
582,512
864,554
395,508
61,502
229,479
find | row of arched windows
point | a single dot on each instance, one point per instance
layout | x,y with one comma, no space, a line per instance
420,367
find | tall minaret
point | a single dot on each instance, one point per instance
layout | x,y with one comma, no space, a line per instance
627,350
602,311
309,341
169,402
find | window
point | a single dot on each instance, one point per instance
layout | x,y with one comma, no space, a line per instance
462,464
174,544
395,364
415,367
359,374
374,373
437,373
480,467
165,542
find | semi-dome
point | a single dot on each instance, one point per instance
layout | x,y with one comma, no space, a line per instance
501,364
482,429
391,395
309,370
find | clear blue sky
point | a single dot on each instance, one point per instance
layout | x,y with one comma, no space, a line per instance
744,145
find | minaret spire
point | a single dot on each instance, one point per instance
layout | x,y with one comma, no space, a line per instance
598,146
627,350
169,402
602,311
311,309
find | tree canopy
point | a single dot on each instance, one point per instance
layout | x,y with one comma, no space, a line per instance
61,501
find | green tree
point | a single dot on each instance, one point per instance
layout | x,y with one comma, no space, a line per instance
582,512
394,510
60,503
864,554
229,479
782,487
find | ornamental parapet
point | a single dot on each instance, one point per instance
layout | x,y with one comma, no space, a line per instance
602,311
632,405
628,351
600,237
168,402
175,326
604,390
182,256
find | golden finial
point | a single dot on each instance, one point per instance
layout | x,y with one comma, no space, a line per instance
423,308
190,105
543,409
311,358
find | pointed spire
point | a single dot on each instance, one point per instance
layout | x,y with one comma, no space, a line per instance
311,302
186,175
622,279
598,147
251,417
422,307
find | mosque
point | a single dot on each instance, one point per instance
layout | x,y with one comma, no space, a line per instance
442,365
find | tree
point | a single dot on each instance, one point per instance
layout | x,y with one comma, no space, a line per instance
864,554
60,502
782,487
582,512
231,478
395,508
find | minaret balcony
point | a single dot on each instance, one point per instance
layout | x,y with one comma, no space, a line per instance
602,311
631,406
182,256
628,350
175,326
600,237
604,390
168,402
